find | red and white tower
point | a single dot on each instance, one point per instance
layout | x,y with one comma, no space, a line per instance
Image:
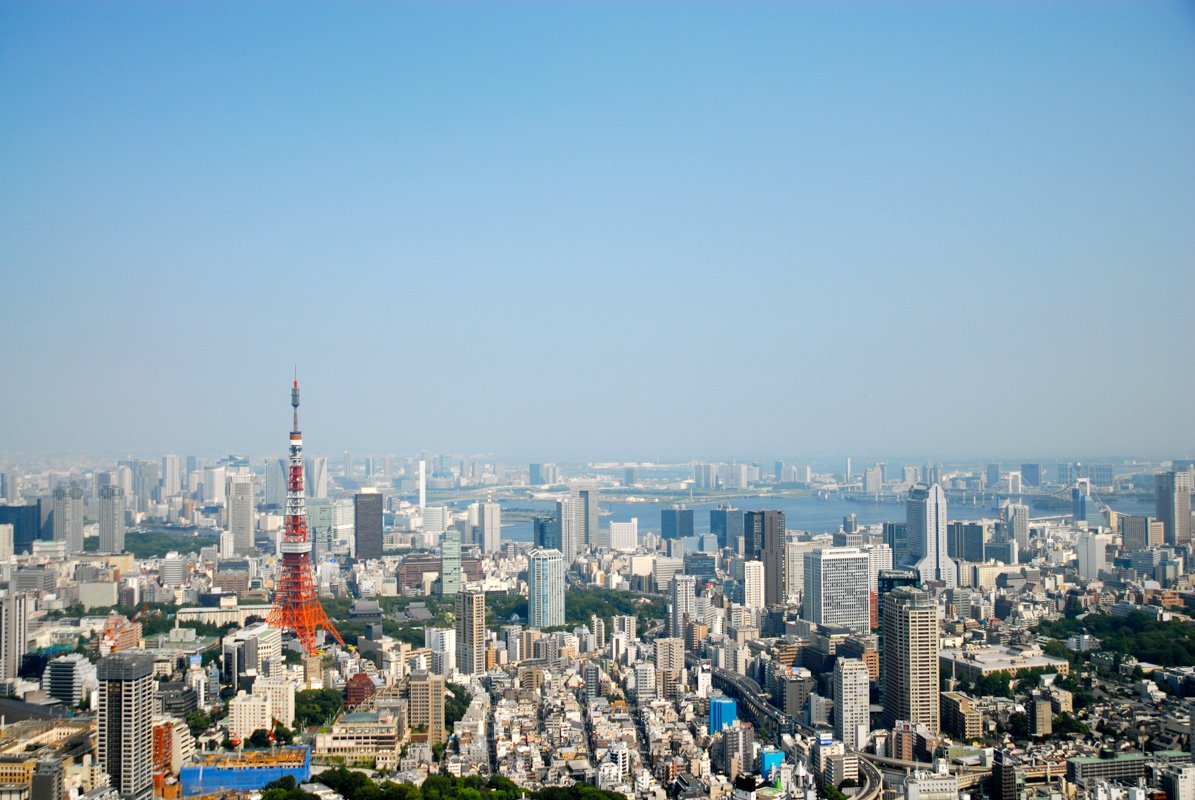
296,605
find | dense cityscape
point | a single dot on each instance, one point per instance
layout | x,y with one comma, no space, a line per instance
597,400
186,627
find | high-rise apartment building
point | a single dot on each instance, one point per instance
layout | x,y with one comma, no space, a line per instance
566,522
14,632
545,588
470,633
1174,505
753,596
852,702
489,524
837,588
112,526
124,747
682,598
925,520
367,525
68,516
240,513
426,705
910,644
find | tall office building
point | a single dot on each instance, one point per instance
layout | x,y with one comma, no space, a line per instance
321,528
317,477
213,485
124,746
765,541
726,523
925,521
47,780
838,588
68,516
240,513
12,487
682,597
545,588
367,525
112,519
852,702
676,522
172,476
1174,505
1031,474
753,584
489,523
909,635
1141,533
26,524
545,532
14,633
566,522
586,512
968,541
470,633
1016,517
450,563
275,489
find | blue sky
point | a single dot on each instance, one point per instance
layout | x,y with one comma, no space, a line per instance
570,230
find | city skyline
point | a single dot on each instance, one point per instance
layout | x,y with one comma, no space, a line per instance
923,223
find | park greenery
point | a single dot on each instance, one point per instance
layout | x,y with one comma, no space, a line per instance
1169,644
155,544
580,606
316,706
357,786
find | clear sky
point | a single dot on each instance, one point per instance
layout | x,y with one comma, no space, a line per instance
599,230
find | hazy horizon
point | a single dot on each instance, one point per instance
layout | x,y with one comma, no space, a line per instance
599,231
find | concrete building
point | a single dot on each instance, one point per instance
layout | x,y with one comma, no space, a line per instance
545,588
837,588
852,702
124,743
910,658
925,522
470,633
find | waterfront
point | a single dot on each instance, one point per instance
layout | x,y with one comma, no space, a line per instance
805,513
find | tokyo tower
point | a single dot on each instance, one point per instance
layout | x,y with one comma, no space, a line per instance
296,605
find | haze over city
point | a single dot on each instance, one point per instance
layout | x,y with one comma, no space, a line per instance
586,231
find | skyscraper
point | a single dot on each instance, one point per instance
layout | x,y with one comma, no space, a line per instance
1174,505
317,477
126,705
852,702
838,588
470,633
566,522
111,519
68,516
450,563
765,541
426,709
1016,517
726,523
676,522
1141,533
925,520
586,511
26,524
910,658
489,521
14,638
545,533
172,475
753,584
682,597
367,524
545,588
240,513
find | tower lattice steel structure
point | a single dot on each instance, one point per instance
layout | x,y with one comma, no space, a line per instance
296,605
